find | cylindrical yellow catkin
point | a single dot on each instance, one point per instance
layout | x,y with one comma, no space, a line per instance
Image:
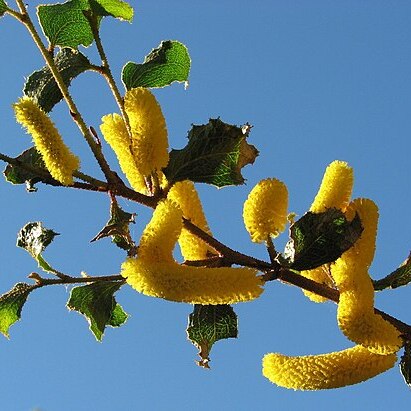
265,210
149,143
115,133
59,160
161,233
335,189
364,247
155,273
319,275
356,317
185,195
193,285
333,370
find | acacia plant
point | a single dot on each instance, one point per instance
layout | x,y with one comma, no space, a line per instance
328,253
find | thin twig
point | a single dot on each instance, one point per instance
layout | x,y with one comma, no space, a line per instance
42,282
105,69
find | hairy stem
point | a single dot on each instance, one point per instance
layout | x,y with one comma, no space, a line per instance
105,69
42,282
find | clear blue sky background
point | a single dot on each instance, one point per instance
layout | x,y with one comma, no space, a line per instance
319,80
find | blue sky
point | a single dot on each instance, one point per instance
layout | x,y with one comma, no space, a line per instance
319,80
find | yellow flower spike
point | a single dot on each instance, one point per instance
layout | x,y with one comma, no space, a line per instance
356,317
155,273
59,160
115,133
161,233
318,275
364,247
186,196
325,371
193,285
265,210
335,189
149,143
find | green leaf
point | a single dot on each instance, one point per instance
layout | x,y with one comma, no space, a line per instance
167,63
118,228
97,303
118,316
3,7
18,174
11,305
320,238
41,85
208,324
405,364
215,154
398,278
114,8
34,238
65,25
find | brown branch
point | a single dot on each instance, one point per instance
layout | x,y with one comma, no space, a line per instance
293,278
42,282
234,257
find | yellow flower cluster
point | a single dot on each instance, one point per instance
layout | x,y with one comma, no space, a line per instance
155,272
146,150
335,189
356,317
186,196
319,372
58,159
378,340
265,210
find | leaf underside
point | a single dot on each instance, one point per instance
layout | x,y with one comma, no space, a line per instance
208,324
34,238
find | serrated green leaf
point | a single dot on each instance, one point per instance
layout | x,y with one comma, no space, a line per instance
34,238
3,7
167,63
97,303
114,8
215,154
320,238
117,227
208,324
405,364
18,174
65,25
398,278
41,85
11,304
